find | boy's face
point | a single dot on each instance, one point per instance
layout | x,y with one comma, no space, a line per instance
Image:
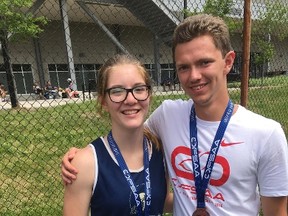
202,70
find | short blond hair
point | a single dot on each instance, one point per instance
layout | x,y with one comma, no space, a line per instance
203,24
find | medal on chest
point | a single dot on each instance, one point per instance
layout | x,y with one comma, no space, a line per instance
200,212
201,183
127,175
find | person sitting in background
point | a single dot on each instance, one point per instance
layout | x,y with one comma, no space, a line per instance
62,92
38,90
3,92
70,91
50,91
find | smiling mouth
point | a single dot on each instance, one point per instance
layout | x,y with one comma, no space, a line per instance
130,112
198,87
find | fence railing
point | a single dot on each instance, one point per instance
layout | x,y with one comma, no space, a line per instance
78,37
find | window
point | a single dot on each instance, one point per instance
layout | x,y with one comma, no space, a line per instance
84,72
167,72
23,77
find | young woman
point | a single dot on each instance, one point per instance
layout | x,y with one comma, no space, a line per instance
123,172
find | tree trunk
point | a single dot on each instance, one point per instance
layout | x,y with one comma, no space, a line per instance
9,72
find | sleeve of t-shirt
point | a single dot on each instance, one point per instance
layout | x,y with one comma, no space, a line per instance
273,165
154,121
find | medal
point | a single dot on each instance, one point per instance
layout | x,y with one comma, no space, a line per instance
125,170
201,184
200,212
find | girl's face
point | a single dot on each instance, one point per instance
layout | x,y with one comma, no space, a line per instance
129,113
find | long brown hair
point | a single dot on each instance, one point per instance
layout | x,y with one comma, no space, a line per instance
155,140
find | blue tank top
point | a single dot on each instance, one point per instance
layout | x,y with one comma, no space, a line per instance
112,195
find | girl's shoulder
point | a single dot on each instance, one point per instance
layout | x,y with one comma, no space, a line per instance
84,159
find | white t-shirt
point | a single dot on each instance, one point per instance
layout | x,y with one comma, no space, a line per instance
252,159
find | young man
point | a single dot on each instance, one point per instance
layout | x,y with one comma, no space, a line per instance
222,159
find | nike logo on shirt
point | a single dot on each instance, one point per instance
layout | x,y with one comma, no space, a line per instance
224,144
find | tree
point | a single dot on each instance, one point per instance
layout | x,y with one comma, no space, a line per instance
219,8
272,21
16,24
223,9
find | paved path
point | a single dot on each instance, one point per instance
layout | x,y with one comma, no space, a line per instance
41,103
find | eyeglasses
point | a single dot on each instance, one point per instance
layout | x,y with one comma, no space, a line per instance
118,94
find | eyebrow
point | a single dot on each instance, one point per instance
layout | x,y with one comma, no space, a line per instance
121,86
200,60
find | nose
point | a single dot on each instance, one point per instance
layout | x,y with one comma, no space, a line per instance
194,74
130,98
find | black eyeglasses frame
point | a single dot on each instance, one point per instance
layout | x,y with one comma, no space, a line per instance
148,89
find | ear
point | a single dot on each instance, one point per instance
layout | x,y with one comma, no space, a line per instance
103,103
229,61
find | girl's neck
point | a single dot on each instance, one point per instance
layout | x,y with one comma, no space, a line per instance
128,140
130,143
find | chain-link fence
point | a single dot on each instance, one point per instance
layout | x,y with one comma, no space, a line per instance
77,38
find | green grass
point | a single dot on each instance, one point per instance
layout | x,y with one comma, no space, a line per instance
32,143
268,97
262,82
